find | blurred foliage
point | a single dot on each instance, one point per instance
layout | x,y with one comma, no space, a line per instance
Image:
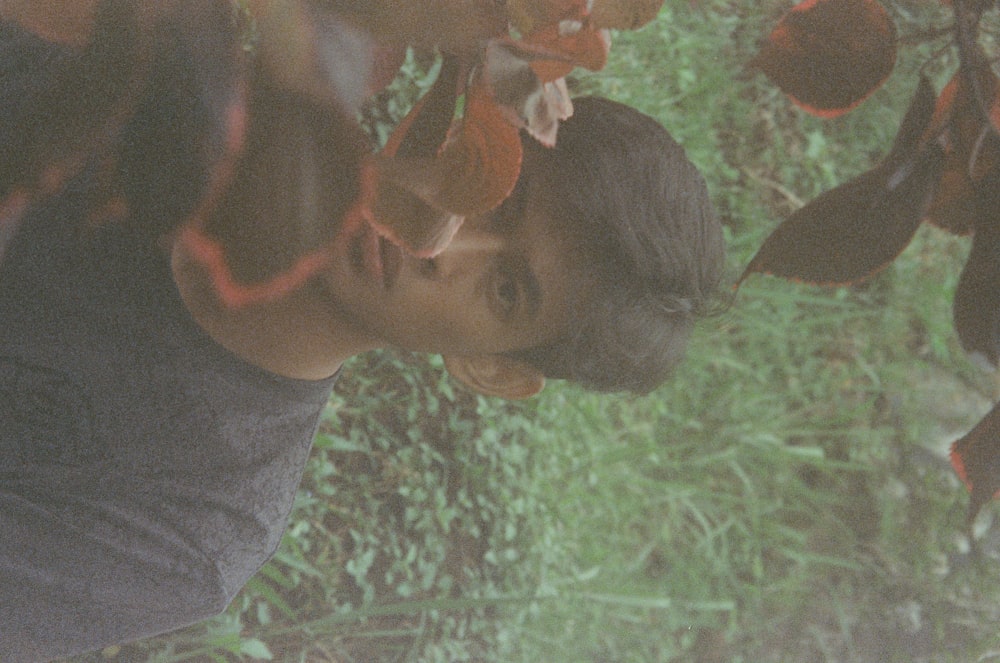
785,497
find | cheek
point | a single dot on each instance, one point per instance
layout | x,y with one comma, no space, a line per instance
439,325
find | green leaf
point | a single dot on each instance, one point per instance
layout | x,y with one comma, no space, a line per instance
256,649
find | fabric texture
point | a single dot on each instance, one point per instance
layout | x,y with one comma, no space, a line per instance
145,472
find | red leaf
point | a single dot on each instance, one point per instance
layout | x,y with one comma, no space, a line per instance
976,459
529,102
452,26
398,213
852,231
68,22
475,172
570,44
73,103
314,52
424,129
625,14
482,165
190,115
274,207
959,121
829,55
976,306
269,224
12,210
529,15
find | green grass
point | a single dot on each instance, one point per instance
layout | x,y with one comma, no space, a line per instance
785,498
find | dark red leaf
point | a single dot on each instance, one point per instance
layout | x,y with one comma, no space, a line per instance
625,14
313,51
61,108
529,15
829,55
189,115
570,44
300,177
976,459
399,213
385,67
976,307
953,208
530,102
451,26
12,210
66,22
852,231
424,129
961,123
475,172
273,209
406,209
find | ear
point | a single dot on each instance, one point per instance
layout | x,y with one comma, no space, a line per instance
496,375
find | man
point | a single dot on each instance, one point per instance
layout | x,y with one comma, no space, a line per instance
152,438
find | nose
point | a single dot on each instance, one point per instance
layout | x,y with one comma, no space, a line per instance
469,241
469,251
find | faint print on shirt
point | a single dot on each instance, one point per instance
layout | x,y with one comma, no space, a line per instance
44,417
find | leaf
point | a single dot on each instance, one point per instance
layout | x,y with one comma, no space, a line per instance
398,213
963,126
314,52
273,208
624,14
63,107
300,177
558,36
387,61
560,47
189,115
458,27
528,102
529,15
481,166
976,459
976,306
68,22
475,172
255,649
829,55
850,232
424,129
407,220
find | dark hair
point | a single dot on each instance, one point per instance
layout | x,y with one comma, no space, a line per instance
653,246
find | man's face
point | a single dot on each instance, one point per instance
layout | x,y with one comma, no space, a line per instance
503,283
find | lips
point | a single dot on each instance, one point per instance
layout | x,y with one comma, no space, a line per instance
375,257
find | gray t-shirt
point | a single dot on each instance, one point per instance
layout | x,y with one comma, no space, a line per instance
145,472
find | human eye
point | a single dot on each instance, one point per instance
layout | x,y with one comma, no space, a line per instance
505,293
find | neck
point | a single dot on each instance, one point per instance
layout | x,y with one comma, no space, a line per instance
297,336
